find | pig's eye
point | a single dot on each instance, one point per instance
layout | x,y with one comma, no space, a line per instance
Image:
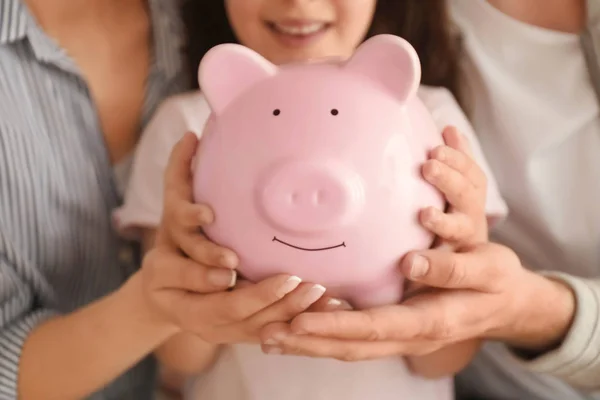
334,112
276,112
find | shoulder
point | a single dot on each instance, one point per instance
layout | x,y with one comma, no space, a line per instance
188,111
444,108
174,117
437,98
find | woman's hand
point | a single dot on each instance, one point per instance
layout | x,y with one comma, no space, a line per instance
485,293
190,293
479,291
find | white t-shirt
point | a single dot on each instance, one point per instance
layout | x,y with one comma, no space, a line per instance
243,372
538,122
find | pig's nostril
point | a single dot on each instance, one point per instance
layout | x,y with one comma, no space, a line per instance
310,196
319,197
294,197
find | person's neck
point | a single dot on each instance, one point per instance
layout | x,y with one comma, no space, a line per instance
60,14
560,15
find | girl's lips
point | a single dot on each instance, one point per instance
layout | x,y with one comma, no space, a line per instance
297,33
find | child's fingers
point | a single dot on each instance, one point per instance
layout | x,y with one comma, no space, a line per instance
169,271
178,172
460,162
454,227
205,252
456,140
188,216
291,305
457,189
243,303
327,303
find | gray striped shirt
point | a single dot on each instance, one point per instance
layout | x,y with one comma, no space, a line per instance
58,249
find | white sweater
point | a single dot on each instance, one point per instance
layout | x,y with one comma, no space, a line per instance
538,121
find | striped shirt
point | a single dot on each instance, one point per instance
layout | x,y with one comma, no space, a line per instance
58,249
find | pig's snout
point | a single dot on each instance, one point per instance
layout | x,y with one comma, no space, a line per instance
305,197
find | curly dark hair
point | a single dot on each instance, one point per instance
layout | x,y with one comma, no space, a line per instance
426,24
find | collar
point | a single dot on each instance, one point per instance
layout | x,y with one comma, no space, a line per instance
13,21
168,36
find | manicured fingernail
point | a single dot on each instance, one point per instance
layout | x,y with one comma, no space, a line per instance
312,295
289,285
336,304
419,267
228,260
221,277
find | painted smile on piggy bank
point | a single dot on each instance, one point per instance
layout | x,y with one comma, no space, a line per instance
313,169
343,244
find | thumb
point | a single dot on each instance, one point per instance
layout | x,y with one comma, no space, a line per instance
448,270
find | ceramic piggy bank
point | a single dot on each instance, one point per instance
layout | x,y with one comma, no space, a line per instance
313,169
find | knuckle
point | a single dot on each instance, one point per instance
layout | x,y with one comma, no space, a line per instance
374,334
464,188
456,274
171,210
440,153
186,274
439,328
181,213
504,258
204,252
234,312
434,170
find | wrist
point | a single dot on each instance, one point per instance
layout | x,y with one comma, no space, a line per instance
134,299
543,317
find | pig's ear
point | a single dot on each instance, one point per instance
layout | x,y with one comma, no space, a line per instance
389,61
228,70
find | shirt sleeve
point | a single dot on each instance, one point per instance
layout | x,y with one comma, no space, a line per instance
21,285
143,203
577,360
447,112
19,314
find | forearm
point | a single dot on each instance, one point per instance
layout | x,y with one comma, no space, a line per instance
575,355
542,318
187,354
444,362
72,356
184,353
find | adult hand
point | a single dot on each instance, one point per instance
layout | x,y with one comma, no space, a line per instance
185,276
480,293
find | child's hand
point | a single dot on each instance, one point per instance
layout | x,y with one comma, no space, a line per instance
452,170
191,293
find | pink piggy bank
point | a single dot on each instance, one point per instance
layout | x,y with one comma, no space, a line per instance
313,169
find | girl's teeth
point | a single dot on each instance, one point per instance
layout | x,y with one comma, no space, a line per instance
300,30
